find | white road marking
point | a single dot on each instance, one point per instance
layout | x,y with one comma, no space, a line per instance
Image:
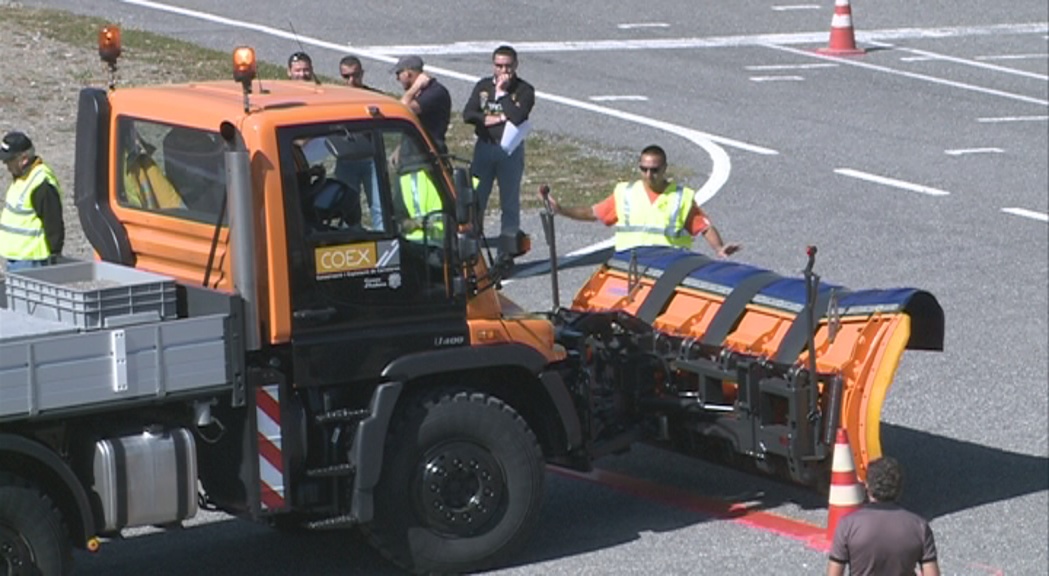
913,75
776,78
1014,119
615,98
963,151
891,182
783,8
917,58
966,61
633,25
721,164
620,44
1041,56
791,66
1042,216
595,247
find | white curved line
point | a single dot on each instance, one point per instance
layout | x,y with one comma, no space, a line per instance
708,142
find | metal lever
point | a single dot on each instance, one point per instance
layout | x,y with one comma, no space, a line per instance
547,217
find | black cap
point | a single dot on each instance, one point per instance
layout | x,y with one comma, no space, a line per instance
14,143
408,63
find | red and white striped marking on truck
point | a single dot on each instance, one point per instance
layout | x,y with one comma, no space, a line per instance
271,462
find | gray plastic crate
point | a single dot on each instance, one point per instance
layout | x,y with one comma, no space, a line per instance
91,295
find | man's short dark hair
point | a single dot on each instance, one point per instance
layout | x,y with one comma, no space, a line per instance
653,150
350,61
505,50
300,57
884,479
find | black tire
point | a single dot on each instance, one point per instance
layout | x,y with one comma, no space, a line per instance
461,487
33,539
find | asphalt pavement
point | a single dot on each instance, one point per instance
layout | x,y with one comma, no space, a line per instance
921,163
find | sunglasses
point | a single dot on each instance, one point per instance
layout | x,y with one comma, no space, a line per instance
652,169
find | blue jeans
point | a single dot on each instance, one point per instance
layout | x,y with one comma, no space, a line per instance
360,174
491,163
15,265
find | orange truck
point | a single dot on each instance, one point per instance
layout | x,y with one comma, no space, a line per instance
292,319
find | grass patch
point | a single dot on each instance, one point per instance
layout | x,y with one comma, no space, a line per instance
577,171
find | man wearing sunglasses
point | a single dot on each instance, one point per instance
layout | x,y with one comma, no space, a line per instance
352,72
652,211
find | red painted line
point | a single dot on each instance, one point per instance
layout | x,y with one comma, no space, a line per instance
810,535
267,404
271,453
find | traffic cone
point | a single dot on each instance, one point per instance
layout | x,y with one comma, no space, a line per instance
846,492
842,37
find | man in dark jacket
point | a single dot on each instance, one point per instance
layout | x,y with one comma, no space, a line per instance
427,97
499,107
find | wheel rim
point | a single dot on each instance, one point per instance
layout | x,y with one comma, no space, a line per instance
16,558
460,488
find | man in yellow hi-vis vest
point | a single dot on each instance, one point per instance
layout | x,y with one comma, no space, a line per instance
32,231
420,198
652,211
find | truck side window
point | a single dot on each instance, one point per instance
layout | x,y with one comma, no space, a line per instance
173,170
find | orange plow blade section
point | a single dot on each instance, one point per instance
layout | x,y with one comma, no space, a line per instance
735,341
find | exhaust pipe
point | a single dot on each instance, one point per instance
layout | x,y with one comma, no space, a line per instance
242,231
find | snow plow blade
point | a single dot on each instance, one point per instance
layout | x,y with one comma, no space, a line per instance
735,341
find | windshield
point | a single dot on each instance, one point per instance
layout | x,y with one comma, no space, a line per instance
367,179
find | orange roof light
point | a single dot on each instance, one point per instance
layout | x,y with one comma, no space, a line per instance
244,66
109,44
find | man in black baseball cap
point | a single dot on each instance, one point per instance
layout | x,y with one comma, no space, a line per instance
427,97
13,144
32,231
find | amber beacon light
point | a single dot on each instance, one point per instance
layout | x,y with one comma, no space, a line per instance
244,65
109,44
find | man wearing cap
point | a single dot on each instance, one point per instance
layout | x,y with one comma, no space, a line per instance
32,231
427,97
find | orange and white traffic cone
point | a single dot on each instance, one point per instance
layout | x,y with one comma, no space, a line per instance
846,492
842,36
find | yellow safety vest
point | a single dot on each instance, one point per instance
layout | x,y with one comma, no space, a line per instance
21,231
145,185
640,222
421,198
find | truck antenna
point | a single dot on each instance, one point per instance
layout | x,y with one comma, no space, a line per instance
302,49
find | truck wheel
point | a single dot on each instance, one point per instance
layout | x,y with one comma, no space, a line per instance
461,487
33,540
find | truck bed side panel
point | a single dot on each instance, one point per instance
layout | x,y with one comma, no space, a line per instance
66,373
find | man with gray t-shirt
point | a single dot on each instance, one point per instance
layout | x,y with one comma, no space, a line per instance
881,538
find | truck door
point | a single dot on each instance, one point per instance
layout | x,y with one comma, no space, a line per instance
369,231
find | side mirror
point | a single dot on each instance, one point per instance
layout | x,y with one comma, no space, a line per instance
465,198
469,248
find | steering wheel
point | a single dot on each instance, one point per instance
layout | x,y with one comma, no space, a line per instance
333,200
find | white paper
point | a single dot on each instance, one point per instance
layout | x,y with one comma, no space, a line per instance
513,135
